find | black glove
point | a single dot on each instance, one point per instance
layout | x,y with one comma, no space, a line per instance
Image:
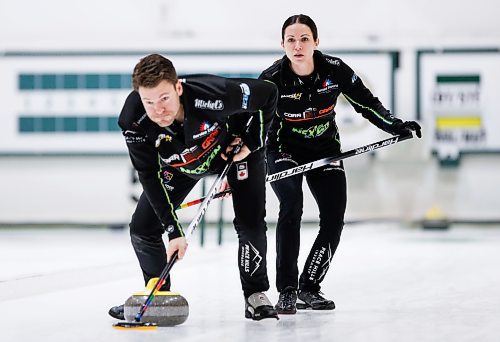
405,128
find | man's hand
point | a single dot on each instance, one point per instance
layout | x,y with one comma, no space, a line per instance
242,154
178,244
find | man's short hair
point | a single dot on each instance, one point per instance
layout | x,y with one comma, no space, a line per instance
151,70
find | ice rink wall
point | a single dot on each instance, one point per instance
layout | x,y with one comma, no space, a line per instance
66,71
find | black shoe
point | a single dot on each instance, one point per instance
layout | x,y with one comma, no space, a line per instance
117,312
286,302
258,307
314,300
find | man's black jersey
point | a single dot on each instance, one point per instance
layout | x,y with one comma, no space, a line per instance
304,124
216,110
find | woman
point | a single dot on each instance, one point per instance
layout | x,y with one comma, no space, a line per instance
304,130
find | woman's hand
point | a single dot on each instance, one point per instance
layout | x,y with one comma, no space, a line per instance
224,185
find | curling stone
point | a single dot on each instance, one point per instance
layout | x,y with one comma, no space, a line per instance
167,308
435,219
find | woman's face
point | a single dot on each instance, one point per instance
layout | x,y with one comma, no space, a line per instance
299,43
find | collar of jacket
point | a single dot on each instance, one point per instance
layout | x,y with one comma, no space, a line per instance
289,78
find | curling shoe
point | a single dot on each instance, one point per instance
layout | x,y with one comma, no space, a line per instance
258,306
314,300
287,301
117,312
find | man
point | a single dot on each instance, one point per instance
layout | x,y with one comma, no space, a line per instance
180,130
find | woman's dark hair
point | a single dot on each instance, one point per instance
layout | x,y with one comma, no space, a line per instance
300,19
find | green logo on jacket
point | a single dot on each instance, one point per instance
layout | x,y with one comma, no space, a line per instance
312,132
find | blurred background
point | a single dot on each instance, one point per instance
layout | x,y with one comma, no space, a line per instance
421,259
65,71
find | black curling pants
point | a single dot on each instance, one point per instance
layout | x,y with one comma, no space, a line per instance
328,187
248,196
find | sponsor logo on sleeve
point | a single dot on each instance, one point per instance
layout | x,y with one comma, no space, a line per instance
245,90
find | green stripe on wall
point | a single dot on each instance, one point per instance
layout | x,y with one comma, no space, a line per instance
67,124
93,81
73,81
458,78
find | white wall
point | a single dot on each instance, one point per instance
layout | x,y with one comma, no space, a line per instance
252,25
249,25
92,190
97,190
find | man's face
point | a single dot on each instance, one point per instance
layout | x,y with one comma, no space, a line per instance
162,103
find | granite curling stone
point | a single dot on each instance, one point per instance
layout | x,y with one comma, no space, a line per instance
167,308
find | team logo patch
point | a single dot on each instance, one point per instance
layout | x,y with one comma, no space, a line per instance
242,171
